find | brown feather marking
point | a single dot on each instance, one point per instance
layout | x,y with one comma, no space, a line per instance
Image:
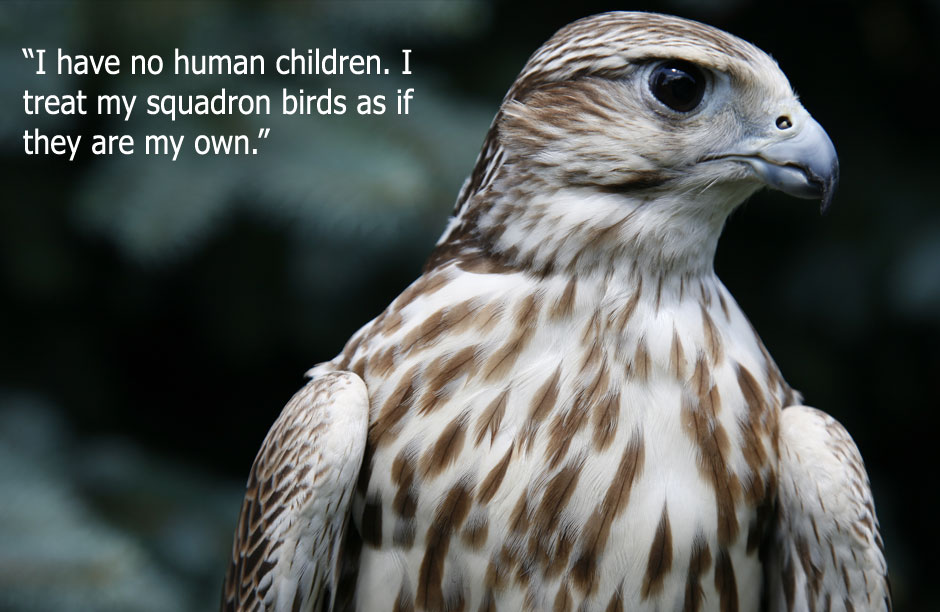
593,355
592,330
725,582
382,362
403,474
392,323
724,305
606,417
450,515
641,361
677,356
454,600
501,361
753,450
542,403
441,373
527,313
566,424
460,317
403,469
425,334
491,418
393,410
701,380
703,428
706,295
659,292
660,558
450,320
254,557
623,316
426,285
498,568
559,439
358,367
524,572
475,532
609,233
812,572
616,601
565,304
519,518
597,529
751,390
700,561
492,481
404,602
403,536
752,432
563,601
557,493
488,604
445,451
559,560
713,342
487,317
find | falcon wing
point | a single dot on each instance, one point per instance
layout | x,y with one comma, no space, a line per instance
286,554
827,554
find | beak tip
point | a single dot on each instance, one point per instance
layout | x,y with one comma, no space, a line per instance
829,187
824,204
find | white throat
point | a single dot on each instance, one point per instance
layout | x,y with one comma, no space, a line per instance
582,230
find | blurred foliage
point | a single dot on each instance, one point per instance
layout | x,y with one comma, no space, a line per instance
159,313
92,523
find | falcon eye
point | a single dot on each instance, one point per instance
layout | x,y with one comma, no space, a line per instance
677,84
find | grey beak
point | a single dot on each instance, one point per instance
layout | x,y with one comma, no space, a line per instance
803,165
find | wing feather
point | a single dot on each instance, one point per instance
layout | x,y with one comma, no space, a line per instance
286,553
827,552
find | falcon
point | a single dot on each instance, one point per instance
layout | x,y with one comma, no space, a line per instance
567,410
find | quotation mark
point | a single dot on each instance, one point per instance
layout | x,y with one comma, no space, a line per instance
31,54
262,133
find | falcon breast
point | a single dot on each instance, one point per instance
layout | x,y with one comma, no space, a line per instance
568,410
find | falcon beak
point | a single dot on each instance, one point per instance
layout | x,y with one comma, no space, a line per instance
802,164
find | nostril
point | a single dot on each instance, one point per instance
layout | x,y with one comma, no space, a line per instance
784,123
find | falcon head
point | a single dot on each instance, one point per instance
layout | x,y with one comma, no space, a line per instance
640,133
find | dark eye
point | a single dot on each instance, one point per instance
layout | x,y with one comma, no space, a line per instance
677,84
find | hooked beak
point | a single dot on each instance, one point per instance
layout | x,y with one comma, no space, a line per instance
803,165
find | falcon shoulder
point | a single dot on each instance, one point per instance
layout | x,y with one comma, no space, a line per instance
286,554
828,553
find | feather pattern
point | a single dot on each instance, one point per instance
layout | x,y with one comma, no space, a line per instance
827,552
287,546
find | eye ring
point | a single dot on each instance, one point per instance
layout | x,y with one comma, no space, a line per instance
678,84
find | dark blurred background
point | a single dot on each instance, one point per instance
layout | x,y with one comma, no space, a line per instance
156,315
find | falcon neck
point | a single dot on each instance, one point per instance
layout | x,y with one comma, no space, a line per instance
587,232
